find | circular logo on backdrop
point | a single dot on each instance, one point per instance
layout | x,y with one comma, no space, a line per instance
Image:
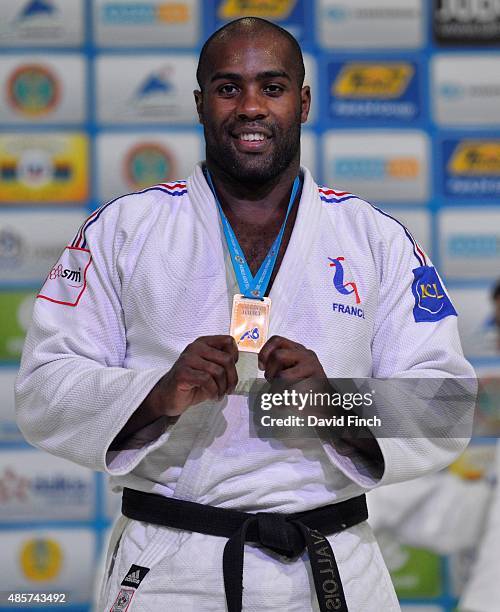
11,245
33,90
41,559
147,164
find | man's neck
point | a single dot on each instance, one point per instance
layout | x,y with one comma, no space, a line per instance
257,203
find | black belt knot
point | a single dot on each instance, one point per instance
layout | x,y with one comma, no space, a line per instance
286,534
279,534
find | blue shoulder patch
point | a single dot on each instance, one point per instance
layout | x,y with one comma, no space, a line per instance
431,301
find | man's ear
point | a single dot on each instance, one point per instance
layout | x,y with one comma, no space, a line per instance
198,98
305,97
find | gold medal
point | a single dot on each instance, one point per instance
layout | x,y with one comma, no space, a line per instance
250,322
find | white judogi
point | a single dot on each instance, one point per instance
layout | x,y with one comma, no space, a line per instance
160,277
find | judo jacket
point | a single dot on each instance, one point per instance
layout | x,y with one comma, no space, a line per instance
150,272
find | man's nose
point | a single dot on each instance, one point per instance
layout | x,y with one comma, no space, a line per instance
251,105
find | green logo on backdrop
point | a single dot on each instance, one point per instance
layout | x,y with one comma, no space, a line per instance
15,308
420,575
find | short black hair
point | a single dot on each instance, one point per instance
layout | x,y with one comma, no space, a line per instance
249,24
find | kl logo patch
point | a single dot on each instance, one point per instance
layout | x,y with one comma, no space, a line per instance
67,280
431,301
345,288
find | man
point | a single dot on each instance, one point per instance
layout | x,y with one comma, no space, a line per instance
482,591
494,322
129,367
483,339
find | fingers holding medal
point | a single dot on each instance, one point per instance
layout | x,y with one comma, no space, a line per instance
283,359
205,370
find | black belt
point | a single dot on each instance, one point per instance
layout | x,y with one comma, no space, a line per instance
285,534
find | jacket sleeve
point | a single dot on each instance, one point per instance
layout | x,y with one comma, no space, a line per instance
415,336
73,393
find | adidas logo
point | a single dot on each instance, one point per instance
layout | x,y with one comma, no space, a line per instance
134,577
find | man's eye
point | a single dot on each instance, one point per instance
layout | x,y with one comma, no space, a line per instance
273,89
228,90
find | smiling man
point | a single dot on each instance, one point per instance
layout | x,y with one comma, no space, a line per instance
252,105
192,289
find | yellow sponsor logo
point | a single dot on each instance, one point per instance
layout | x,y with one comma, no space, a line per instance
368,80
474,463
41,559
43,168
268,9
173,12
476,158
403,167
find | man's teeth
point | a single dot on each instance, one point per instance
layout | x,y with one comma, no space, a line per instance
252,136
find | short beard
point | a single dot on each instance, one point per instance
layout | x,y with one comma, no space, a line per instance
265,169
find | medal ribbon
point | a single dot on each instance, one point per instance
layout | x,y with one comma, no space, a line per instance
250,286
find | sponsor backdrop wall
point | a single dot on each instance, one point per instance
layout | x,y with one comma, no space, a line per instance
96,101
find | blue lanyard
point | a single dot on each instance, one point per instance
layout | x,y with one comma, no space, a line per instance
252,287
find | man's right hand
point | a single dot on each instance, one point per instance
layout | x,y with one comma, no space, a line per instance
205,370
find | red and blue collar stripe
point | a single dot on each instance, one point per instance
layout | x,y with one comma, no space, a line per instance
331,196
175,188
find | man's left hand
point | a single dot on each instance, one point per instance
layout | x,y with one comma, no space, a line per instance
289,361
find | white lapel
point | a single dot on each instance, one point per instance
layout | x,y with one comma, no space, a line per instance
205,207
294,265
295,262
203,202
